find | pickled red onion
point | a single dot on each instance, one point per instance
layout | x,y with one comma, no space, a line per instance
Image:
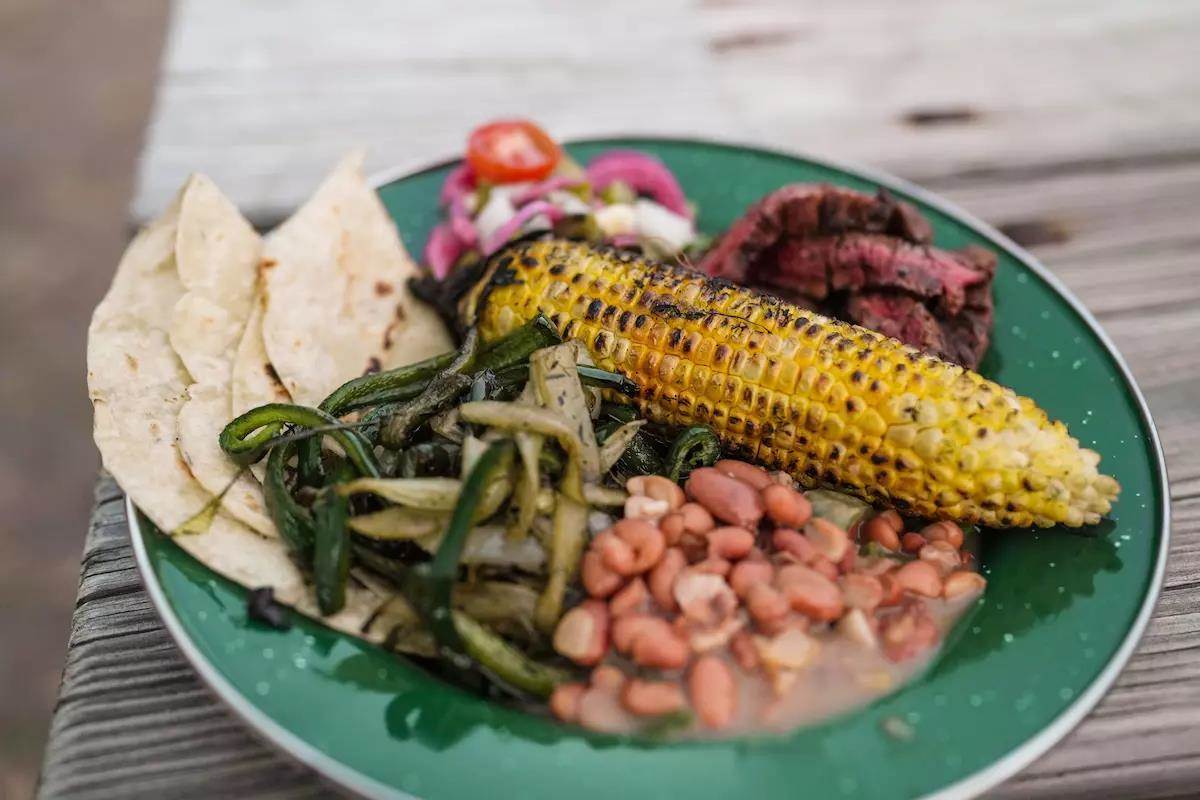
644,173
514,223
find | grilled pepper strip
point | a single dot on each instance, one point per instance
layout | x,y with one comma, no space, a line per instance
430,585
444,387
397,384
505,665
331,550
693,448
246,438
294,522
504,662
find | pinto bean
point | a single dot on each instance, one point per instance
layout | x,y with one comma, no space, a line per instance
564,701
582,633
810,592
919,577
746,473
944,531
616,554
747,573
607,677
660,649
730,542
672,527
600,710
828,539
794,544
652,698
598,580
893,592
662,578
713,691
766,604
879,529
696,519
725,498
824,566
862,591
963,583
646,546
631,598
942,555
744,652
912,542
908,633
849,558
893,518
626,629
713,565
786,507
658,488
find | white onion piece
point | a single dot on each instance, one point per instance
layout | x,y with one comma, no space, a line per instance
616,220
498,210
661,226
569,203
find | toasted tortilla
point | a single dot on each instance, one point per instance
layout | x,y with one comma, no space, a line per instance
199,422
138,386
338,304
137,383
254,380
216,255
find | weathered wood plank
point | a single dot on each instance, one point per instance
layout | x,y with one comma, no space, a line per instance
925,88
132,718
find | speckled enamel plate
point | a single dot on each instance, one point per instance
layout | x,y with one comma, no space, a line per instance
1061,615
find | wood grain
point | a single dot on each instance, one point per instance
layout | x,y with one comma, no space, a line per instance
264,99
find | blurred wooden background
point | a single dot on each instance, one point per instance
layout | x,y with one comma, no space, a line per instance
1073,125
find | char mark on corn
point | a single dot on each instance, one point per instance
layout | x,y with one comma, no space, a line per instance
833,404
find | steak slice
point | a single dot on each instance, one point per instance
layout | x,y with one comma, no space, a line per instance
806,209
863,259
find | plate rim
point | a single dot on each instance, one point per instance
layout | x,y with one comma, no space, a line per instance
974,784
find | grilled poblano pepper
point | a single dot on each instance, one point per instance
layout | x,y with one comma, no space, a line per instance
833,404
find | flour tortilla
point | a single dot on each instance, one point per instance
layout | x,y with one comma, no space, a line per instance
138,385
199,422
216,254
254,382
338,303
136,382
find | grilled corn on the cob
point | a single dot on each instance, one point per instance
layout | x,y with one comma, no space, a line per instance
833,404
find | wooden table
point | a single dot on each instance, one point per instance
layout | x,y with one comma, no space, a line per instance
1073,125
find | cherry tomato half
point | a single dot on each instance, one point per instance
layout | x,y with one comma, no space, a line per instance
512,150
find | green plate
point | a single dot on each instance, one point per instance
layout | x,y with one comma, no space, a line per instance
1061,615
